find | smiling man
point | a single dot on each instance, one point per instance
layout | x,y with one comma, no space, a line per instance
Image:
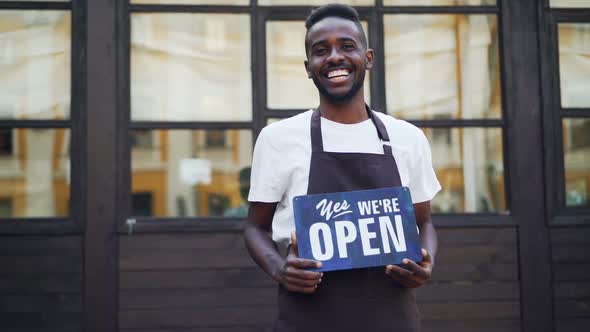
340,146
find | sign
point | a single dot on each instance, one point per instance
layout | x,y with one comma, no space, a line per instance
195,171
356,229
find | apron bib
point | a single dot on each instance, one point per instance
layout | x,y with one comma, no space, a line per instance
352,300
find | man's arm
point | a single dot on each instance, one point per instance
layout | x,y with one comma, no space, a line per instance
289,271
416,274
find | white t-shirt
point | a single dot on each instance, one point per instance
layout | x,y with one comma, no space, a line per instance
282,155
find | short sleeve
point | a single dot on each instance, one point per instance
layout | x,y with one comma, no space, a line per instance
266,180
423,182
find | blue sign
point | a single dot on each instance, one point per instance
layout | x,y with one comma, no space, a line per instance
356,229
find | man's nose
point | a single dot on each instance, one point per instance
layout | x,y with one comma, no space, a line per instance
335,56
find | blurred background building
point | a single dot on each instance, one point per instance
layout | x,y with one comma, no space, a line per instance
132,164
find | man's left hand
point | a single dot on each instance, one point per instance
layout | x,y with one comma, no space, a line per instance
415,274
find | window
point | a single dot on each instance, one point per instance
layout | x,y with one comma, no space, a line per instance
204,82
191,112
568,110
36,111
444,70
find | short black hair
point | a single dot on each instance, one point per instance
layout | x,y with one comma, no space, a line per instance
334,10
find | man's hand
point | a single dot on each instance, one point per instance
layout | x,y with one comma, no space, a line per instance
417,273
294,276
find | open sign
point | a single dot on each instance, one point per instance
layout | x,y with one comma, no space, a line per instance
357,229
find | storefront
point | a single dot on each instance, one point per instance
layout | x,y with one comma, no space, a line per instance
126,134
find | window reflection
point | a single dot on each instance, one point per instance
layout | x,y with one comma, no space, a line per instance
442,66
186,173
574,64
576,146
570,3
34,64
193,2
190,67
34,173
469,165
287,83
439,2
314,2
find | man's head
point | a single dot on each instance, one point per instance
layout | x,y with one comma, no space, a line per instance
337,53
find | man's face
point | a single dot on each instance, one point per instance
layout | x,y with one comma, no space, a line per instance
337,58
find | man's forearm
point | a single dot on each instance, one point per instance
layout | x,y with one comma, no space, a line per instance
428,238
263,250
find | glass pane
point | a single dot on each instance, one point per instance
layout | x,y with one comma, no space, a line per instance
576,147
194,2
314,2
190,67
200,173
442,66
34,173
570,3
574,64
439,2
469,165
287,82
35,64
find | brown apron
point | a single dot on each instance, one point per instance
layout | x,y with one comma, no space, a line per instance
366,299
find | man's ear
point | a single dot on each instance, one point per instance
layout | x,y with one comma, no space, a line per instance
370,58
306,64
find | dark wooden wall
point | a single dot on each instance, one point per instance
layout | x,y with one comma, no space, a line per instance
207,282
571,278
40,283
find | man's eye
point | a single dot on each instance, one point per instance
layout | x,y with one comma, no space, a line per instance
348,46
320,51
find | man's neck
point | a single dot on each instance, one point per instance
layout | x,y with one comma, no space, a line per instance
351,111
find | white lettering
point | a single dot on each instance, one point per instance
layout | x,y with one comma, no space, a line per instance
387,206
326,210
366,237
395,205
364,208
314,240
345,233
399,241
375,206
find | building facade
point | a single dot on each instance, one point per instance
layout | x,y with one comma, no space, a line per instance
127,129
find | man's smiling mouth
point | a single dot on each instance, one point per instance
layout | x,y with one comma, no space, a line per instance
337,75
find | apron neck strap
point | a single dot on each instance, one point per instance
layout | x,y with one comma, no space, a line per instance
317,143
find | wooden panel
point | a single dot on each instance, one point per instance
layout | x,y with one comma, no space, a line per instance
571,278
200,317
40,283
189,281
492,325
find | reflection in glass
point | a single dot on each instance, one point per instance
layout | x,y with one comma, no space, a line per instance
574,64
469,166
190,67
314,2
193,2
190,173
34,173
287,82
34,64
570,3
439,2
576,147
442,66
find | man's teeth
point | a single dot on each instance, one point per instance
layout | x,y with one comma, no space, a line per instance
339,72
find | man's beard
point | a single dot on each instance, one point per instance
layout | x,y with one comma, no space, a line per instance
356,86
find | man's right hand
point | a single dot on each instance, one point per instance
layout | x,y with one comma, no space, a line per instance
294,275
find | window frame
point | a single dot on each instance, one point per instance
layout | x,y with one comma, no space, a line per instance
73,223
259,15
554,114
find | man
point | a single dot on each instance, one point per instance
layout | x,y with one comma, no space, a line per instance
341,146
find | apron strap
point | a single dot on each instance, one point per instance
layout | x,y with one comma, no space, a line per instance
317,144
